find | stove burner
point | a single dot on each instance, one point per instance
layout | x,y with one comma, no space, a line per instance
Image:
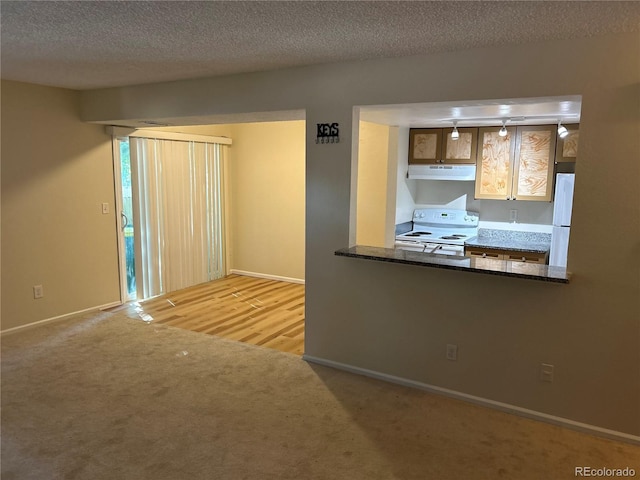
417,234
459,235
451,237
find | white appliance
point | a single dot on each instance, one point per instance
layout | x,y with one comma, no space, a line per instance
562,207
440,231
464,173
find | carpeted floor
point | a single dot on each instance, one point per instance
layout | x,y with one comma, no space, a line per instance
102,396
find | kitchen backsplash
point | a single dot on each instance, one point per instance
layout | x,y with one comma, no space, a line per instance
404,227
460,195
515,226
519,236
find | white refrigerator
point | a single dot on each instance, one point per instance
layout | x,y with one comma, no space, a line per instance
562,206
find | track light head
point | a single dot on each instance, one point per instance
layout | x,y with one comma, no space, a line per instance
503,131
562,130
455,135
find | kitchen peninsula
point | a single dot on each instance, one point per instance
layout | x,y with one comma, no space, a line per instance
506,268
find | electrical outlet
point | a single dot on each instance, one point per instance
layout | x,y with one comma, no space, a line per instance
38,291
513,216
105,208
452,352
546,372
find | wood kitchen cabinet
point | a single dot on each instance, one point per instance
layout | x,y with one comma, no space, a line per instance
425,145
494,166
518,166
567,147
512,255
460,151
435,145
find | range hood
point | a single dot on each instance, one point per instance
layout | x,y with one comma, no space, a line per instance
442,172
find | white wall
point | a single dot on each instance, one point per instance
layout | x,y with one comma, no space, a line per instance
365,314
406,190
56,173
460,195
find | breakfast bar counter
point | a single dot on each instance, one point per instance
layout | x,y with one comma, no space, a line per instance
506,268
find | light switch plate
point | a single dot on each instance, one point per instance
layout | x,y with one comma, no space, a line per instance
105,208
546,372
38,291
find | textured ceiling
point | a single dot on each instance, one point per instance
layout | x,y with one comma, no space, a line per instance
93,44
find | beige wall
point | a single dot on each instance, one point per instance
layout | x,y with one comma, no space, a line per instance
56,173
267,198
397,319
373,161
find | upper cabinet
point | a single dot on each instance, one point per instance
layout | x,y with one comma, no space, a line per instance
435,145
494,167
518,166
567,147
535,154
460,150
425,145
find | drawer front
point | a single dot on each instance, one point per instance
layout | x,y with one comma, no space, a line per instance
483,254
512,256
526,258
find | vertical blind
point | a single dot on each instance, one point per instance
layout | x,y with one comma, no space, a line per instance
178,213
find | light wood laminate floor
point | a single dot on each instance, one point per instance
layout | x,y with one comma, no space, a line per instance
251,310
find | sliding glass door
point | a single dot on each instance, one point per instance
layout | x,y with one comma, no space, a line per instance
177,214
122,168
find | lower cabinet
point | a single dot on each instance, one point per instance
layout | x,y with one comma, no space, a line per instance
514,256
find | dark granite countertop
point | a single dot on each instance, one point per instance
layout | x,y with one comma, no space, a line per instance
532,271
507,245
511,240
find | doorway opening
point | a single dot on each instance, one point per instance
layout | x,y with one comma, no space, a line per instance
261,299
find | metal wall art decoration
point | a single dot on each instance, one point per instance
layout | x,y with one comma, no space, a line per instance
328,133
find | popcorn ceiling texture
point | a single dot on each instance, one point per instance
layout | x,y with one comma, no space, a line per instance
85,45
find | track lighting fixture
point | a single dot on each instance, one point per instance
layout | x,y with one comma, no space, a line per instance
503,131
562,130
455,135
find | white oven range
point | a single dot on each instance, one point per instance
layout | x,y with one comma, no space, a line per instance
439,230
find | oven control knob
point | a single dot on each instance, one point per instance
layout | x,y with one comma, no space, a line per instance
466,218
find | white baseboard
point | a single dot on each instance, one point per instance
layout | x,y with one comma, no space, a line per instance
505,407
267,276
59,317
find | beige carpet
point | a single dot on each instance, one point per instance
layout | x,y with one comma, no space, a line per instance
103,396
